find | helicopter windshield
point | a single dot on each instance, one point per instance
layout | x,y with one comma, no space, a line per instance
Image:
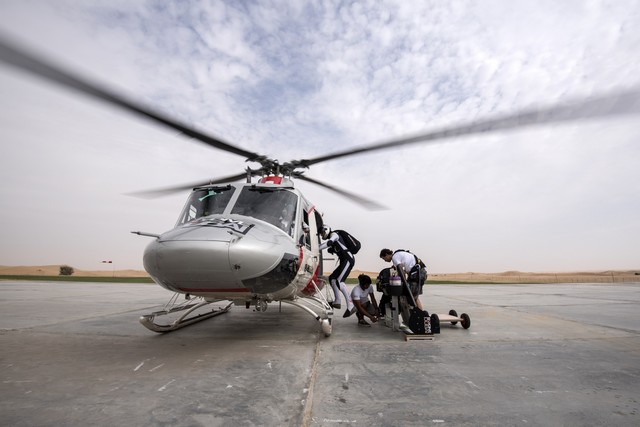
206,201
277,207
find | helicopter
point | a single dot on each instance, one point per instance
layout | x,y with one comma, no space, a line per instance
257,242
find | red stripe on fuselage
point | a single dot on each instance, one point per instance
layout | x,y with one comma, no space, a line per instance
301,262
216,290
310,289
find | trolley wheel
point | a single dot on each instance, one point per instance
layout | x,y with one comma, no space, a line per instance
466,320
435,324
454,314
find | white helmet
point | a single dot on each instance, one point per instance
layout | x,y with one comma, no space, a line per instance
326,230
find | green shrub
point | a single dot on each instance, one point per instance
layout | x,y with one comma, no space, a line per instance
66,270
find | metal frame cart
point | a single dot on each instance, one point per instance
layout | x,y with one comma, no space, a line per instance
396,290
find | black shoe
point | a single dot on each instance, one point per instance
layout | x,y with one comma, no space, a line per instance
348,312
363,322
338,306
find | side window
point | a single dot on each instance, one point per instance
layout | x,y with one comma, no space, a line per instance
305,231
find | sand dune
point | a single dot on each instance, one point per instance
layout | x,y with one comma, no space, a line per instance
608,276
54,270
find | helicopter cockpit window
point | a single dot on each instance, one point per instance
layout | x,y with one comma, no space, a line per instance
206,201
277,207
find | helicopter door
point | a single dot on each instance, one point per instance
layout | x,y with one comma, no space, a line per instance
312,243
315,237
310,253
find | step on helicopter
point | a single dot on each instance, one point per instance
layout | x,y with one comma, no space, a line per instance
257,242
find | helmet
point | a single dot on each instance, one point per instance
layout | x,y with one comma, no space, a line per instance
326,230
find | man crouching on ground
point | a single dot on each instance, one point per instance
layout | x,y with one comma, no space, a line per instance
360,296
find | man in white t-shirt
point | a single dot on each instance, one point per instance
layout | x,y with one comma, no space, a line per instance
406,262
365,301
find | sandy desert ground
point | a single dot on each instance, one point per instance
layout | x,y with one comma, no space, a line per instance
609,276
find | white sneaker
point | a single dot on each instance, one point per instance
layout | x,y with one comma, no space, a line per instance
404,328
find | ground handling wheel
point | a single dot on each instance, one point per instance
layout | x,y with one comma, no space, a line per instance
326,327
466,320
454,314
435,324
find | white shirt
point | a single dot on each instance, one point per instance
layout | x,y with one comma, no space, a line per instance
406,259
357,293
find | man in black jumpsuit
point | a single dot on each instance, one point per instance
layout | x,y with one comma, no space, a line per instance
337,246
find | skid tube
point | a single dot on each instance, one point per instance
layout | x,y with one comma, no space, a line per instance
148,320
321,304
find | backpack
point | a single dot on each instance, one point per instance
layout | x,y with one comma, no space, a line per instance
353,245
383,279
419,321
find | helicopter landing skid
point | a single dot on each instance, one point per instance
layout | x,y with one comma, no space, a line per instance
148,320
308,304
319,302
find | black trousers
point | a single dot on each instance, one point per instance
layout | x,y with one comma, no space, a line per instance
384,300
341,273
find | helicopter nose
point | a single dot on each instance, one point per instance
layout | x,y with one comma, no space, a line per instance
183,265
205,260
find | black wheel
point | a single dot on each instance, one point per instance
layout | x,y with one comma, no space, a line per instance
454,314
466,320
435,324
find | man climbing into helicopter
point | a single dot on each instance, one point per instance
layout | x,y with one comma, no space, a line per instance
335,244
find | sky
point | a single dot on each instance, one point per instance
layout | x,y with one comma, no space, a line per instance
298,79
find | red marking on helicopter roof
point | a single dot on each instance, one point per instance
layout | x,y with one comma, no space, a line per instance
274,179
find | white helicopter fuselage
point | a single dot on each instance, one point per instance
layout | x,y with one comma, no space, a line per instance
241,242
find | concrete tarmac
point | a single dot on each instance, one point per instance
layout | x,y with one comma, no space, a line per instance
74,354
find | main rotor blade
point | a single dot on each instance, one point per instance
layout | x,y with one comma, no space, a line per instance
615,104
369,204
160,192
27,62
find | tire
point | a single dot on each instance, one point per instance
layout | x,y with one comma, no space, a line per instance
326,327
435,324
466,320
454,314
